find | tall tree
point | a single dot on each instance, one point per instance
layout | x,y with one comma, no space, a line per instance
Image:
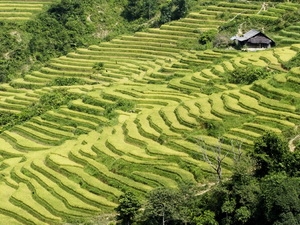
269,152
161,207
127,208
280,201
133,9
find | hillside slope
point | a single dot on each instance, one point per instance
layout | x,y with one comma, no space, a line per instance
134,114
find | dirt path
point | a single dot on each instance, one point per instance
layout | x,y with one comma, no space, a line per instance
291,143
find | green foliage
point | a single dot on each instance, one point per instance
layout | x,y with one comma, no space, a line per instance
7,117
66,81
166,14
287,19
125,105
136,9
247,75
292,163
63,25
293,62
206,218
147,9
173,10
161,206
120,104
269,152
214,128
14,52
48,101
98,66
127,208
280,201
221,40
133,10
207,37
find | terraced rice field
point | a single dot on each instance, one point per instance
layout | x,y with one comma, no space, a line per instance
72,163
21,10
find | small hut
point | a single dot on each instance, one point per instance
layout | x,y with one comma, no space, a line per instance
253,40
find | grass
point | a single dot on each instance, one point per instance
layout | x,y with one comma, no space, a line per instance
117,144
205,109
218,108
163,181
111,178
23,198
21,143
12,211
169,116
157,123
231,104
252,104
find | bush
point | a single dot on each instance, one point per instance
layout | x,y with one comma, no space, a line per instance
66,81
207,36
293,62
247,75
98,66
48,101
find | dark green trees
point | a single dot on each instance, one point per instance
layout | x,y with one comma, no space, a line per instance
62,27
127,208
272,156
161,207
133,9
280,202
269,152
147,9
136,9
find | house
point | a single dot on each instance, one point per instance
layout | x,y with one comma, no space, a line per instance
253,40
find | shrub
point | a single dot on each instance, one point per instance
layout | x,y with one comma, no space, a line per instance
293,62
207,37
48,101
66,81
98,66
247,75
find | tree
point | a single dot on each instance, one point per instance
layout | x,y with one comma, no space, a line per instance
207,37
269,152
150,8
133,10
216,165
165,14
181,9
280,202
292,163
206,218
127,208
161,207
59,29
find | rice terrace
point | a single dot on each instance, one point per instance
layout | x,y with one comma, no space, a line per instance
141,111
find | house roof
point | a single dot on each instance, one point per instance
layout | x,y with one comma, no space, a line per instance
259,39
255,37
246,36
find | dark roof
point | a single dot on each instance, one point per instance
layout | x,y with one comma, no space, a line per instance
254,37
260,40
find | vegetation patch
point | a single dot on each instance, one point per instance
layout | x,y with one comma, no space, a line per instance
247,75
